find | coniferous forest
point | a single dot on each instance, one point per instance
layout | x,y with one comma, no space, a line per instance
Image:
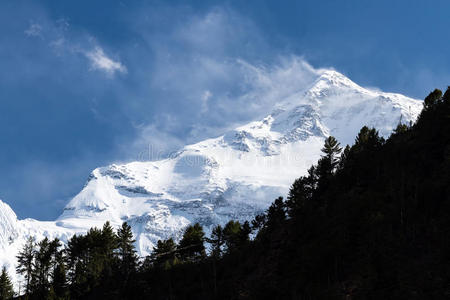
368,221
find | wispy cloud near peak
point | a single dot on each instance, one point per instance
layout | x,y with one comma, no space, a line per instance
100,61
62,41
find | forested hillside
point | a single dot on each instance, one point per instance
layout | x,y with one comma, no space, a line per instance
370,221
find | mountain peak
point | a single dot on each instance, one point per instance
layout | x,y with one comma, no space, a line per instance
331,83
332,74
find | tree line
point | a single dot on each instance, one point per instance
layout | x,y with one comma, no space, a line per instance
103,262
89,261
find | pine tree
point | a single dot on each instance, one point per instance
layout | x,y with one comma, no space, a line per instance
344,156
432,98
246,230
236,235
301,192
109,243
367,139
446,97
59,282
77,261
259,221
6,287
216,240
401,128
331,149
42,266
191,246
327,163
25,261
126,252
96,255
126,258
231,234
276,214
164,254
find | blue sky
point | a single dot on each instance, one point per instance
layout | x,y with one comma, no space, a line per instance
87,83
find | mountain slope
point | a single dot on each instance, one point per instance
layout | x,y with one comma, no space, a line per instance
238,174
234,176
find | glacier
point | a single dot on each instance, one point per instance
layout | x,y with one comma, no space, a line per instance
233,176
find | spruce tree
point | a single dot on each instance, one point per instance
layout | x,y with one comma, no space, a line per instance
109,241
216,240
231,234
236,235
25,261
164,254
109,244
126,252
191,246
276,214
301,192
96,256
77,261
244,236
367,139
59,282
6,287
42,267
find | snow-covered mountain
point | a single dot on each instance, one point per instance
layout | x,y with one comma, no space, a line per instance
234,176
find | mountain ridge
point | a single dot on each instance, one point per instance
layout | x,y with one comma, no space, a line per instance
233,176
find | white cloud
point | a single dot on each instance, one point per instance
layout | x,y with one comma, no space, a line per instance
100,61
205,98
247,93
65,42
34,30
153,143
204,77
